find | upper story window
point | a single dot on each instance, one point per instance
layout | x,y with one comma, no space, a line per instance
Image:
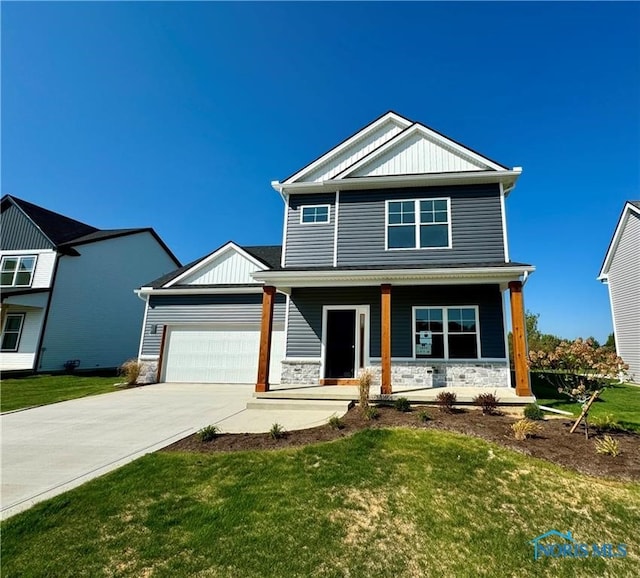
419,224
446,332
17,271
314,214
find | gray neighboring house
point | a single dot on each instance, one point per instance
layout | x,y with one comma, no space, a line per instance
621,273
395,257
66,289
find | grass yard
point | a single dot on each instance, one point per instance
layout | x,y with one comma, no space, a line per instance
620,401
383,502
44,389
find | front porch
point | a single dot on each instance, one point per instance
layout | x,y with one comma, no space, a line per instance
419,395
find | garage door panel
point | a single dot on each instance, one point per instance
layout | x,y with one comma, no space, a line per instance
225,354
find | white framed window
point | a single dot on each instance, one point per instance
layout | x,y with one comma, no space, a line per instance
418,224
446,332
17,271
11,331
310,214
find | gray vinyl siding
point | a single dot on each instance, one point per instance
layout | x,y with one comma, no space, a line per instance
304,335
18,232
624,284
203,309
476,224
310,244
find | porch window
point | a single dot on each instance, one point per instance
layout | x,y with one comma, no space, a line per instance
446,332
17,271
419,224
12,330
314,214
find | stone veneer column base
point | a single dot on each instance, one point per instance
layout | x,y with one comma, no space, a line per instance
300,371
148,372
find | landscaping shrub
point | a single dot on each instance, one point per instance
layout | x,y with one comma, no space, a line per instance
533,411
525,428
208,433
402,404
446,400
488,402
606,423
335,422
424,416
364,388
608,446
371,413
277,431
131,370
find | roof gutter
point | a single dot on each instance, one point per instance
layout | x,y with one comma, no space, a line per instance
142,292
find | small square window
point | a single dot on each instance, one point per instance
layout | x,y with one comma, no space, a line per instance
315,214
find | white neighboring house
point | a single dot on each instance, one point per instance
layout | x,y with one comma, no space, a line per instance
621,272
67,289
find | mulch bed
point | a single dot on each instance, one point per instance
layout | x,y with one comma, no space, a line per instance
554,443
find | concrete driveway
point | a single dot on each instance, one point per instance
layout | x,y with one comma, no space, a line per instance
51,449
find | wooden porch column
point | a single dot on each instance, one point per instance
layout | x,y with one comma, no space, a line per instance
523,385
264,358
385,344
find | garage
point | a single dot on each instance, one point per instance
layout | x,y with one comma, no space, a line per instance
218,353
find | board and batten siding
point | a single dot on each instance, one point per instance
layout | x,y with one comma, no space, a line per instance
204,310
304,335
310,244
624,287
19,233
230,267
94,315
476,224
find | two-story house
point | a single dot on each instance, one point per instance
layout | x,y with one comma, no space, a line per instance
394,257
66,289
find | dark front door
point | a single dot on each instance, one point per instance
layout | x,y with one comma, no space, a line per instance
341,344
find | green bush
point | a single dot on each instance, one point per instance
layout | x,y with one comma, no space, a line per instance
488,402
533,411
606,423
336,423
402,404
371,413
446,400
277,431
423,415
208,433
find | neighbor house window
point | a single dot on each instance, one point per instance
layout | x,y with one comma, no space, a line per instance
17,271
418,224
315,214
12,331
446,332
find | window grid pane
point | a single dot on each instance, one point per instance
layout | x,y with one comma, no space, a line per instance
318,214
459,333
17,271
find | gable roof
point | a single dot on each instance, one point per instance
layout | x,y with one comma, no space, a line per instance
394,146
630,207
66,233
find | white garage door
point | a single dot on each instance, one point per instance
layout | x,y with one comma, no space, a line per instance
218,354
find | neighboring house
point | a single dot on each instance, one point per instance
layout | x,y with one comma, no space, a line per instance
394,257
66,289
621,272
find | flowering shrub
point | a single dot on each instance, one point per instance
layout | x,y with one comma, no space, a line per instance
578,368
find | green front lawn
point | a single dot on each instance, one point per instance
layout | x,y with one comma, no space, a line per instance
380,503
44,389
620,401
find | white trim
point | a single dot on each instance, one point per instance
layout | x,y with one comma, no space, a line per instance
445,331
426,180
430,135
149,358
418,223
144,325
335,231
613,246
302,360
285,229
22,315
506,337
316,206
507,259
334,152
17,269
199,290
359,309
26,253
230,246
286,321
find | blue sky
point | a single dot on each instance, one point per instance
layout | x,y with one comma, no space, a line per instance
178,116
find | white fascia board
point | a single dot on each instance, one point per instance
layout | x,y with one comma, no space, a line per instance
230,246
350,141
503,213
428,134
143,291
622,221
396,276
508,178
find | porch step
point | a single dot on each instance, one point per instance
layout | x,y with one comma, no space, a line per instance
339,407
